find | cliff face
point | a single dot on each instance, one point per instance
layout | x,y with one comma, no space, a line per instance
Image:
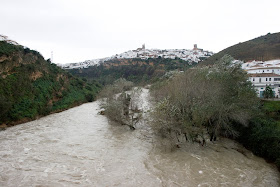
263,48
31,86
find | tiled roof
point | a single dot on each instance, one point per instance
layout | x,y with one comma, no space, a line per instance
256,66
264,75
264,68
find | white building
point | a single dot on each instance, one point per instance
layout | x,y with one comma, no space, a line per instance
263,74
190,56
262,80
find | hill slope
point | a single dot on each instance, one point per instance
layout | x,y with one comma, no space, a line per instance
32,87
135,70
263,48
189,56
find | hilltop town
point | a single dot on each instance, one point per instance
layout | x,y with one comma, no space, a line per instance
194,55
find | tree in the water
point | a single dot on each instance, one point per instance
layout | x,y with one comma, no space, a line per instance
118,102
205,101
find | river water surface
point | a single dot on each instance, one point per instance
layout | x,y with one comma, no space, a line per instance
78,147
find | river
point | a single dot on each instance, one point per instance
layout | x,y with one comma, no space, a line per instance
78,147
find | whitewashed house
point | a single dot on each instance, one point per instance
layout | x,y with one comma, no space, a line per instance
263,74
275,70
261,80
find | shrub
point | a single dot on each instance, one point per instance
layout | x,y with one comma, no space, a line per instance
208,98
262,137
89,97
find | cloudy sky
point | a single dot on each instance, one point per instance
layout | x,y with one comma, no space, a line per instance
78,30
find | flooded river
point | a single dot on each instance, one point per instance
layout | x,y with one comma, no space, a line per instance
78,147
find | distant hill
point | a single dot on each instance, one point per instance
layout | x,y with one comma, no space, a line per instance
191,56
135,69
139,66
263,48
31,86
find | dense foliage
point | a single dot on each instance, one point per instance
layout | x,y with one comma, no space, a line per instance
268,92
262,136
31,86
205,102
7,49
135,70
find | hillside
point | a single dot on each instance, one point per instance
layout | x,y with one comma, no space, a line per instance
263,48
31,86
139,66
135,70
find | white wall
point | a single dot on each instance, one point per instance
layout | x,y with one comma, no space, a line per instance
276,71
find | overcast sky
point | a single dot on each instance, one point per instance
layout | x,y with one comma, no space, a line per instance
78,30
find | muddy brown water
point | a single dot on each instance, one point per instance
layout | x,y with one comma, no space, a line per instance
78,147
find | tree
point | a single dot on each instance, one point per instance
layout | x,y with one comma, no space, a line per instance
268,93
205,101
121,104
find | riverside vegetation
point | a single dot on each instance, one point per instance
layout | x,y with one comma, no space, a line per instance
120,103
218,101
31,86
204,104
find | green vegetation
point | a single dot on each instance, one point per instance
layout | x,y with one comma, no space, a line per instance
268,92
8,49
262,136
135,70
272,108
262,48
205,102
32,87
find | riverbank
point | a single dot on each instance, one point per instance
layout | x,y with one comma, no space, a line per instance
4,126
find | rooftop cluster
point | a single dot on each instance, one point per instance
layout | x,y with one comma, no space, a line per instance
191,56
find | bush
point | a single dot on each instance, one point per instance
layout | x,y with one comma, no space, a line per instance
262,137
208,98
268,93
5,107
89,97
